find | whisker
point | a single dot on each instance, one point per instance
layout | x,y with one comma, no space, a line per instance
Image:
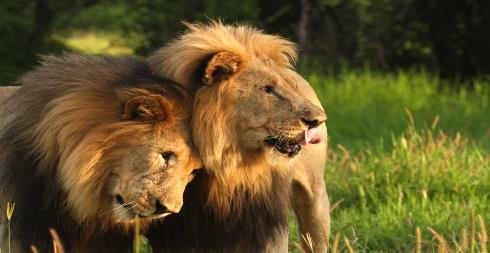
279,133
113,209
283,136
132,206
125,204
116,206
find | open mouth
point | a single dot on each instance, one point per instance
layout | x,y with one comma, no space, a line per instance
288,147
291,147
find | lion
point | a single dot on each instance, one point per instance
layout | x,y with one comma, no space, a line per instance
90,145
6,92
260,132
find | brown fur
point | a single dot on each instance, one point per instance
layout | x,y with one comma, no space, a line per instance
6,92
245,191
81,129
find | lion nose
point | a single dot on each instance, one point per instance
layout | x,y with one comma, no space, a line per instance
313,116
311,123
161,208
314,121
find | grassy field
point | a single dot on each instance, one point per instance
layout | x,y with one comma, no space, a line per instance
406,152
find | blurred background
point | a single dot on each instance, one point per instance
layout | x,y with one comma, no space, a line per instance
405,83
451,38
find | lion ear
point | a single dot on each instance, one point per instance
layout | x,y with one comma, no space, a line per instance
147,108
221,67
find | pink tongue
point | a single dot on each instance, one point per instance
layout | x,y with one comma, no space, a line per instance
312,135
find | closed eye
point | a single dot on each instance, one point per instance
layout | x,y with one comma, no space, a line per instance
168,157
269,89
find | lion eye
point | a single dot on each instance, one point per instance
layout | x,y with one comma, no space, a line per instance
269,89
168,156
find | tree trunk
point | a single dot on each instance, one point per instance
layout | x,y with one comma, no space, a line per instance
43,19
303,28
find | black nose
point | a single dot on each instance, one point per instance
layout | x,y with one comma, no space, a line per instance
312,122
161,209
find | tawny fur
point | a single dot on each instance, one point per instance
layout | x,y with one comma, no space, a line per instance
180,59
240,203
61,134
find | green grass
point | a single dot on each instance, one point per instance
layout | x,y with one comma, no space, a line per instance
366,108
393,171
427,180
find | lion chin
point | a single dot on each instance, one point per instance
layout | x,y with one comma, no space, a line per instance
287,147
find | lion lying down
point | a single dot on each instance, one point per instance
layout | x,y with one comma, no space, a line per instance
89,144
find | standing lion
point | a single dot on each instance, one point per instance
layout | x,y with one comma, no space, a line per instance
88,145
259,129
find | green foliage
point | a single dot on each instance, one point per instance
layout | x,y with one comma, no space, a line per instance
26,28
448,37
114,20
160,21
15,27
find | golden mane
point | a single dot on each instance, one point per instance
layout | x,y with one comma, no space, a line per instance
239,176
240,201
180,59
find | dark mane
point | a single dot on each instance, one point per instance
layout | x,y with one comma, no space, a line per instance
198,228
30,157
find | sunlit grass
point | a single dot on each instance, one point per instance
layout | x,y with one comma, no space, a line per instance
95,43
429,181
393,173
365,108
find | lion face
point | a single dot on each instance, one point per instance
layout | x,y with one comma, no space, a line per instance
150,172
266,107
271,113
136,166
149,177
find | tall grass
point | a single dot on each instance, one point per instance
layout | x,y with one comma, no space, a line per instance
9,211
428,180
365,108
406,183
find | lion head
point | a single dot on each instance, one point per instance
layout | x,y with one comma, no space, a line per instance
148,162
101,140
252,112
